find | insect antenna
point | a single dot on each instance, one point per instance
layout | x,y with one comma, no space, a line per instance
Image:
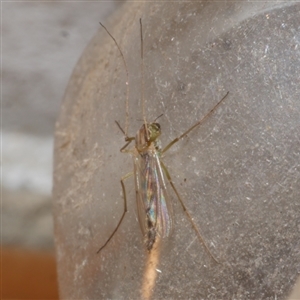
158,117
127,80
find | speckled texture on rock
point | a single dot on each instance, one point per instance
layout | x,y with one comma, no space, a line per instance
238,173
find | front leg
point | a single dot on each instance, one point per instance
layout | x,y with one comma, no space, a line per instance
128,139
194,126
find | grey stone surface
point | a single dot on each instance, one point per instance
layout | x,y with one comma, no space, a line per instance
238,174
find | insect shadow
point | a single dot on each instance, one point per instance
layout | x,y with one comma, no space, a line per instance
155,212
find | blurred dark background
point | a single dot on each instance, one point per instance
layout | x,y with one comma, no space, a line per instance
41,43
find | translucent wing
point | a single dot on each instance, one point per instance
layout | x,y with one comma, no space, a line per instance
154,206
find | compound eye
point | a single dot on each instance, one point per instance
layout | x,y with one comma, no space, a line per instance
157,125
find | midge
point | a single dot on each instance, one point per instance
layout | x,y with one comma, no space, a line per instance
150,174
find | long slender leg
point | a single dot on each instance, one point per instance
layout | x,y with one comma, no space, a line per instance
127,79
126,145
128,139
187,213
143,80
124,212
194,126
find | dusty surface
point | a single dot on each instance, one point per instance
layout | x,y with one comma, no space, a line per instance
238,174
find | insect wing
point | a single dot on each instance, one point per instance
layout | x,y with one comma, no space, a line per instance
154,205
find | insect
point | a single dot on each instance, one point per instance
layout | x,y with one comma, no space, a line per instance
150,174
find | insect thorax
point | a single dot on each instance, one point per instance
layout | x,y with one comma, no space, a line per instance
148,138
